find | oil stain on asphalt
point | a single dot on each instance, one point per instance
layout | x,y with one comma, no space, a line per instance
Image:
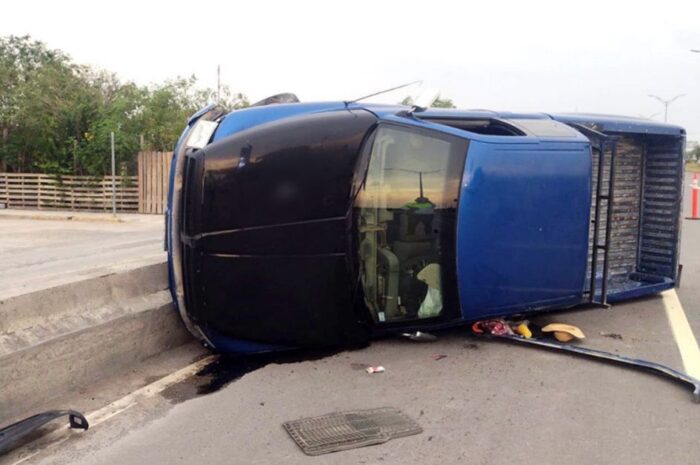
225,370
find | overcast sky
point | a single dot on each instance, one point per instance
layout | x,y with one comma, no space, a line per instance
602,57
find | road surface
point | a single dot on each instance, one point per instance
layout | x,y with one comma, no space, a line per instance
485,403
42,249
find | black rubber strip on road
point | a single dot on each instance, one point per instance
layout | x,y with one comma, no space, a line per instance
13,435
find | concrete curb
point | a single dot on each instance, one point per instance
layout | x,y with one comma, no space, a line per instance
25,310
32,377
80,216
61,216
58,341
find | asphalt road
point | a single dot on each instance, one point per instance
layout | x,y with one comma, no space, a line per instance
485,403
689,291
42,249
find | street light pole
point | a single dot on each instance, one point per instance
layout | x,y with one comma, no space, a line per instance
666,103
218,84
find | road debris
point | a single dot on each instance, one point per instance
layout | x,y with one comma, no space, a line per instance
489,329
420,336
563,332
438,356
496,327
611,335
11,436
523,329
377,369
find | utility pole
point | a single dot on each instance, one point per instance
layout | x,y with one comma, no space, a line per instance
666,103
114,183
420,177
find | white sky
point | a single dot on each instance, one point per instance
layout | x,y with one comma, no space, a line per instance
557,56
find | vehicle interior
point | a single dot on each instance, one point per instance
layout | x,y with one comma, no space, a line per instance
406,213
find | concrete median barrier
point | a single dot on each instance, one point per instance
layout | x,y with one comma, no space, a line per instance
63,339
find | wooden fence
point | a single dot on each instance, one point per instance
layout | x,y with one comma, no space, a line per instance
145,193
87,193
153,180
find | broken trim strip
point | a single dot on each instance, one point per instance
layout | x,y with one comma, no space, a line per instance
14,434
653,367
119,406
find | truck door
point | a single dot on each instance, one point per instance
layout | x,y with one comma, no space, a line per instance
406,211
523,225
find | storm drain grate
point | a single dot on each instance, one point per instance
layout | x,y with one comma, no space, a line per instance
348,430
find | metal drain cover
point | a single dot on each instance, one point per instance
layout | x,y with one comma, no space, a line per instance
348,430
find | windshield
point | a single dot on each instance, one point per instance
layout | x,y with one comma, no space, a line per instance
407,210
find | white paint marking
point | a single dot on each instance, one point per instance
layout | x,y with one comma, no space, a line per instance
126,402
24,459
683,334
120,405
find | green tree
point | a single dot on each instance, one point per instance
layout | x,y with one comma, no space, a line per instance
34,82
169,105
57,116
694,153
443,103
165,112
120,109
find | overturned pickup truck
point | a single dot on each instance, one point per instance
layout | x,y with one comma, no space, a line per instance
320,224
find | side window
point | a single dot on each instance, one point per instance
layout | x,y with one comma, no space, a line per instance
407,209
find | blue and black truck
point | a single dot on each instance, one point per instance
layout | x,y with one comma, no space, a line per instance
327,224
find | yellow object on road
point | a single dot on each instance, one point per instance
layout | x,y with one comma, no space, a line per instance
563,332
523,330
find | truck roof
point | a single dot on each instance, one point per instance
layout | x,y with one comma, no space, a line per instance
252,116
598,122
